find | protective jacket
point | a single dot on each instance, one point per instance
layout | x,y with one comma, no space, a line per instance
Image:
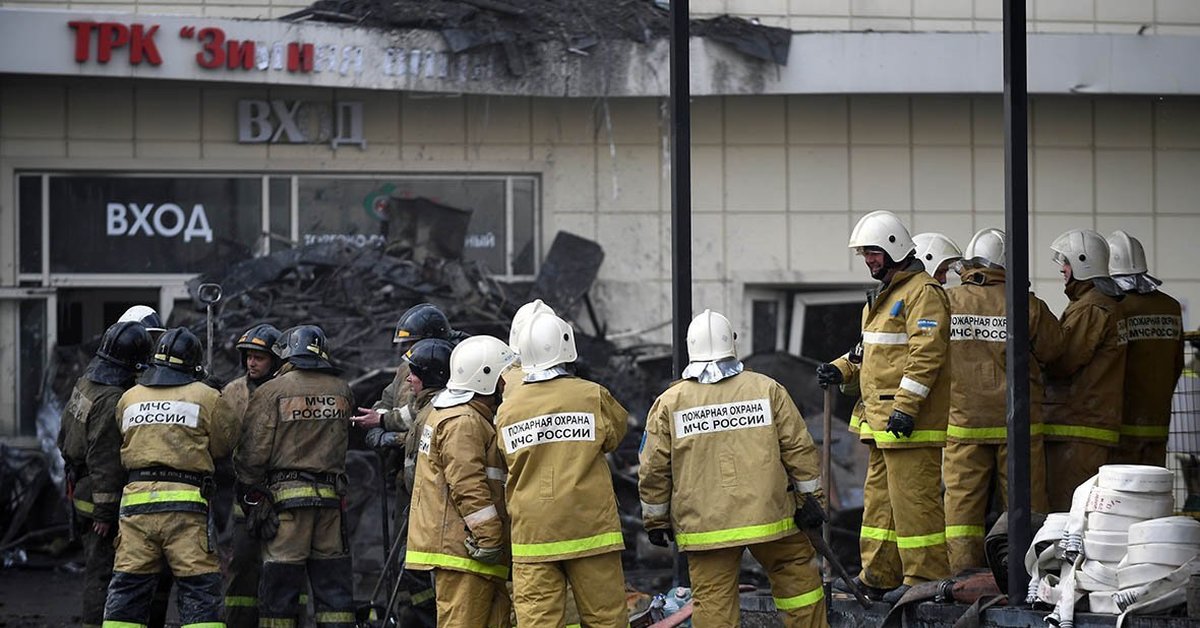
237,394
176,428
420,407
978,342
459,487
723,464
90,441
906,334
554,435
1084,390
394,401
1153,363
296,436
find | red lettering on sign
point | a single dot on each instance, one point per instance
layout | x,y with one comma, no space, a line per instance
113,35
212,54
83,39
240,54
141,45
300,57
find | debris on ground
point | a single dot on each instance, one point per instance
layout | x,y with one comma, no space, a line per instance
514,27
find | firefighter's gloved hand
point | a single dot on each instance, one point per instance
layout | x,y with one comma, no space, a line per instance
486,555
262,522
828,374
810,514
901,424
662,537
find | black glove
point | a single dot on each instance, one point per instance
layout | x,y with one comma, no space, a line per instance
828,374
661,537
486,555
901,424
262,522
810,514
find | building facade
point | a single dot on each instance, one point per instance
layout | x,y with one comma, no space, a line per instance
120,178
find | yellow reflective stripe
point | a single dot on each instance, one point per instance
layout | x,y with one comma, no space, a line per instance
980,433
108,623
567,547
335,617
276,622
745,533
1037,429
1146,431
456,562
84,507
156,497
303,598
855,423
205,624
918,436
926,540
954,532
241,601
879,534
1080,431
799,601
304,491
422,596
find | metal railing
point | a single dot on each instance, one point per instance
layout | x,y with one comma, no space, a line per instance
1183,444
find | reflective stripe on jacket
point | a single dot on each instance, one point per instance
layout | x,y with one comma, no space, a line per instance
978,359
1085,384
1153,363
724,464
178,427
554,435
455,491
906,333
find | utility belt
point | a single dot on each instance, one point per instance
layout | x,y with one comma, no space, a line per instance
322,490
186,500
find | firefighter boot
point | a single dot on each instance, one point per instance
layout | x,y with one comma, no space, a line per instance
199,599
278,592
333,598
129,596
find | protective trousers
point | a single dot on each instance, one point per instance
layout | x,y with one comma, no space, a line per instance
98,555
467,600
597,583
968,469
903,539
1069,464
143,542
1151,452
308,539
795,583
241,588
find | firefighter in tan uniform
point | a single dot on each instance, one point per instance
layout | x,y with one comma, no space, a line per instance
90,442
905,384
428,364
938,253
291,464
727,465
1153,358
554,430
976,438
1084,389
173,427
245,552
458,525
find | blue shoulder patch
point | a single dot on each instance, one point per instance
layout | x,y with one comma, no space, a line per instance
642,445
925,323
898,307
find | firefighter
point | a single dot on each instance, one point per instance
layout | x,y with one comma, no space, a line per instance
515,376
147,316
1084,385
173,427
458,526
938,253
291,464
727,464
1154,354
976,452
429,369
554,430
245,559
420,321
90,442
905,385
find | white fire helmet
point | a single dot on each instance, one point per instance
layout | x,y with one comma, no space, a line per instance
521,319
145,315
546,342
710,337
935,249
987,248
884,230
477,362
1084,250
1125,255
